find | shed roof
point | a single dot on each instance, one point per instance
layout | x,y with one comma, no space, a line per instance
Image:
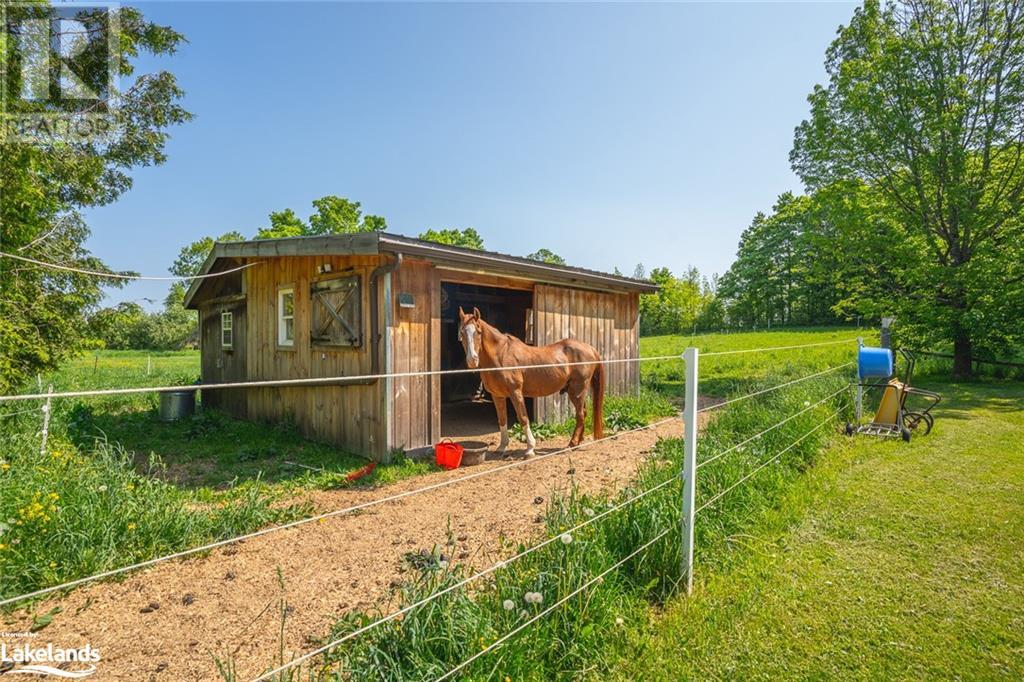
376,243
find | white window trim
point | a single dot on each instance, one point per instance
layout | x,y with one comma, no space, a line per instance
281,318
228,317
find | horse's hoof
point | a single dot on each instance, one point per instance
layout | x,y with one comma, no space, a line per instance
530,454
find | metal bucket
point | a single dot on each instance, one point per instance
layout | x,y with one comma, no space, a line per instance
175,405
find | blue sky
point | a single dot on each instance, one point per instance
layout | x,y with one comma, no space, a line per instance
610,133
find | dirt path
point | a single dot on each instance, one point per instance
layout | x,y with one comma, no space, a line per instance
167,623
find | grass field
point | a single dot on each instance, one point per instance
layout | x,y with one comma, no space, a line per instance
887,561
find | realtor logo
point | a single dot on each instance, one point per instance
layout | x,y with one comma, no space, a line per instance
60,69
51,661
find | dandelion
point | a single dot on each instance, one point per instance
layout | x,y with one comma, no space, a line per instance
53,564
807,403
5,466
102,488
566,538
523,613
129,487
619,621
508,604
533,598
132,526
587,511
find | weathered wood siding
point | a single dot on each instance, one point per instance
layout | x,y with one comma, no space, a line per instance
352,416
415,337
220,365
607,321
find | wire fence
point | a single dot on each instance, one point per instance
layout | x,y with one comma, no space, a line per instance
687,477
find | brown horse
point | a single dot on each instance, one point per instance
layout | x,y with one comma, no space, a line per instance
487,347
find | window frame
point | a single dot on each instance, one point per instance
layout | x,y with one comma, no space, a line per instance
229,317
283,343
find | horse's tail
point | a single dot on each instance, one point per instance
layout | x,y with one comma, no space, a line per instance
597,397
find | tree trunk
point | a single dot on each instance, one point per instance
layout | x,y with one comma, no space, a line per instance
962,366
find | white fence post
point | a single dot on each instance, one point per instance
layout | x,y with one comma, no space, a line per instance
690,356
46,421
859,400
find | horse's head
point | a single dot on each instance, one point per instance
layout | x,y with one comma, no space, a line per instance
470,333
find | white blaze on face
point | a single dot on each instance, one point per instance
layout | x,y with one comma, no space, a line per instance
469,333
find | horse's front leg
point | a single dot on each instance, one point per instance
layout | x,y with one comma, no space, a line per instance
519,403
501,407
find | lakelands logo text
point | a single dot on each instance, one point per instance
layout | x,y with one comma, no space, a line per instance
49,660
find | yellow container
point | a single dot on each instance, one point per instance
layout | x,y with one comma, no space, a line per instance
889,407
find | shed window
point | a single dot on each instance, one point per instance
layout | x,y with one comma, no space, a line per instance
226,329
286,317
337,318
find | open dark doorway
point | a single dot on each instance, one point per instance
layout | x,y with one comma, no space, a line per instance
466,409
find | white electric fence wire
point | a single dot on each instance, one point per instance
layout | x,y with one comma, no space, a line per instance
326,515
19,412
769,461
115,275
440,593
775,348
270,383
769,429
595,580
774,388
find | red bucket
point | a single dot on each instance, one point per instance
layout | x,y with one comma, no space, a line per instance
448,454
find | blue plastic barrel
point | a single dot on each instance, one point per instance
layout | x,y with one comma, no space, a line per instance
874,363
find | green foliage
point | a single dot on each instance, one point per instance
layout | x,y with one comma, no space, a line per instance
924,106
191,258
331,215
467,238
547,256
681,304
46,186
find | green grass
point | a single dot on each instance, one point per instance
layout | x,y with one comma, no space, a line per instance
208,450
731,374
889,560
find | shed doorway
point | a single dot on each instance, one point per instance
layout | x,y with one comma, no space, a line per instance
467,410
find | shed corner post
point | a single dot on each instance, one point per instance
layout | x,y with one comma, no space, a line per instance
691,357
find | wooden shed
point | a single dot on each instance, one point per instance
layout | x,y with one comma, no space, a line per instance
376,303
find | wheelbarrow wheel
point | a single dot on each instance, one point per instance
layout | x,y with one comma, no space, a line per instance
918,421
905,434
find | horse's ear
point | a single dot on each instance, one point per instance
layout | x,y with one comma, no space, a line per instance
476,314
462,313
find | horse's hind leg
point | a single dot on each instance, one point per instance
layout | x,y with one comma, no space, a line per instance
519,403
501,407
579,402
